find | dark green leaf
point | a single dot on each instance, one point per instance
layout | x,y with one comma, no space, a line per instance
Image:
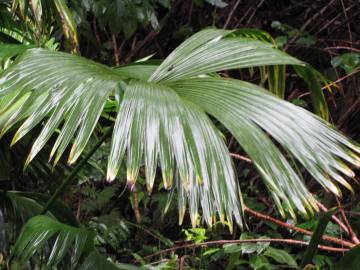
39,230
350,261
281,256
347,61
316,238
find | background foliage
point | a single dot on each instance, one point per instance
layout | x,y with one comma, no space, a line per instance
129,228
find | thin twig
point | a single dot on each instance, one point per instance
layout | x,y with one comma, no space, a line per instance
116,50
338,221
248,160
152,33
253,14
352,213
190,12
231,14
347,113
337,26
342,48
96,32
78,211
342,78
341,41
182,262
259,240
334,82
243,17
351,232
295,228
136,207
326,26
309,21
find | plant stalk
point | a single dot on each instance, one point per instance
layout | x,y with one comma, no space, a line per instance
73,174
255,240
328,238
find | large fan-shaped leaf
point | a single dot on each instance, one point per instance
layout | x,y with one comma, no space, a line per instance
211,51
61,240
243,108
72,89
154,120
163,121
216,50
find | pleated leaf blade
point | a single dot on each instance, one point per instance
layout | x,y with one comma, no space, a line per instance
248,110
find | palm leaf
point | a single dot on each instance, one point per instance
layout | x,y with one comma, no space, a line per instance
57,240
153,120
215,50
163,121
210,51
245,109
78,102
274,75
59,246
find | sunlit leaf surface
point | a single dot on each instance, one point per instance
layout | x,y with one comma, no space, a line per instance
161,121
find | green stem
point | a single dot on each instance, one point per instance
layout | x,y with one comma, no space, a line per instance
73,174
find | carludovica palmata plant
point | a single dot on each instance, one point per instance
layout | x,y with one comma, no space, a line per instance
164,119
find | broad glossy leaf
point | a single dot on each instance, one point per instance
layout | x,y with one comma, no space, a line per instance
68,91
281,256
215,50
210,51
154,124
37,232
246,110
275,74
162,122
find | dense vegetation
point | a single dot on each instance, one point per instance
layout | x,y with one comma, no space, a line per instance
160,134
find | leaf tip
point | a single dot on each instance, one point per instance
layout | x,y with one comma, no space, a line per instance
181,215
14,140
110,176
194,218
